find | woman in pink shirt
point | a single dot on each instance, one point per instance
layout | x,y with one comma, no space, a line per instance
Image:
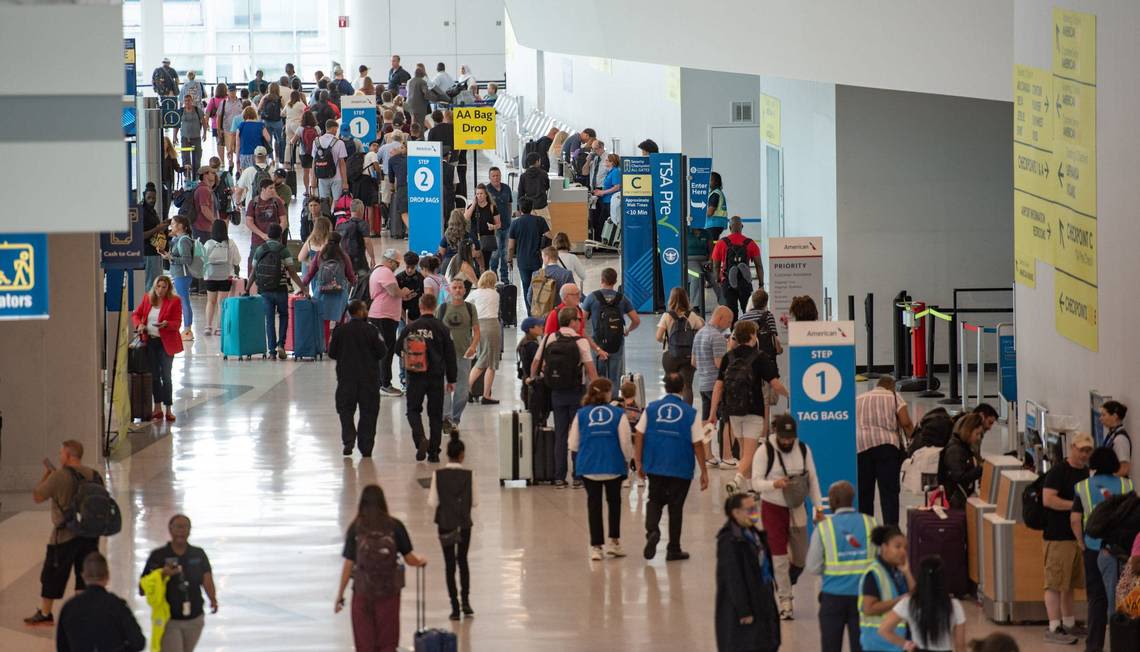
384,313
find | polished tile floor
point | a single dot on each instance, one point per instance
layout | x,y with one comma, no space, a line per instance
254,459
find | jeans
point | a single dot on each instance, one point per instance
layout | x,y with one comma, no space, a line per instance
836,613
457,400
612,368
193,158
277,133
275,302
666,492
612,490
160,366
153,270
499,258
456,555
880,465
366,396
329,188
1109,567
524,285
387,328
182,289
182,635
1097,601
421,386
563,416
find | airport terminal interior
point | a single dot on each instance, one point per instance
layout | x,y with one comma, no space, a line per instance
929,176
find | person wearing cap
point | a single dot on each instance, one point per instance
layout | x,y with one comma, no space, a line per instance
783,472
165,79
264,211
252,136
246,189
384,313
284,192
1063,565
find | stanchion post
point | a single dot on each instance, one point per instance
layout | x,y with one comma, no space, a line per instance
932,383
900,339
869,318
954,396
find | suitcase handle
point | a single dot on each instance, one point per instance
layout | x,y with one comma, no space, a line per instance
421,600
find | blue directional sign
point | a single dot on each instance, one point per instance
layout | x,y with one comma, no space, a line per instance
358,117
425,197
669,210
700,169
23,276
638,255
124,249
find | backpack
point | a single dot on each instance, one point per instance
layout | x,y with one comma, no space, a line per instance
377,572
271,111
563,363
610,333
354,164
219,257
415,354
324,167
329,275
362,291
738,383
268,270
197,265
260,174
766,338
679,343
541,294
352,242
187,205
736,271
1033,512
93,512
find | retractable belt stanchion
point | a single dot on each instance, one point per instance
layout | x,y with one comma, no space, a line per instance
898,330
932,383
869,318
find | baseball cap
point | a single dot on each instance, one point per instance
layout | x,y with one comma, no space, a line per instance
166,59
260,151
531,322
391,254
280,172
1082,440
784,426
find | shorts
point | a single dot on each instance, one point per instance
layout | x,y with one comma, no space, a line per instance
307,161
60,560
1064,568
400,199
219,286
783,537
747,426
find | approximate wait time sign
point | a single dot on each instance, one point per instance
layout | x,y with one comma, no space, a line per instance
474,127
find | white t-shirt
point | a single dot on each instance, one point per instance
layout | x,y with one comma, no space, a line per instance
571,262
152,322
293,115
957,617
486,302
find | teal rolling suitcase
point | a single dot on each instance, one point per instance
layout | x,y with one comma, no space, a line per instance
243,327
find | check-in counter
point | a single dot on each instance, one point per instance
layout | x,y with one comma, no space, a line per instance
568,212
976,510
992,466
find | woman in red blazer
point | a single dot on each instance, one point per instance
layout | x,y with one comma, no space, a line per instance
156,321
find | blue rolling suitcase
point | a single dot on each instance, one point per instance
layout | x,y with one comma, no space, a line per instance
308,332
243,327
430,640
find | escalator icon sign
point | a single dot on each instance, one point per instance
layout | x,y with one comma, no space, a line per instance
17,266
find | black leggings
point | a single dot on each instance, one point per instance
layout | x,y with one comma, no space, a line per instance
612,489
456,554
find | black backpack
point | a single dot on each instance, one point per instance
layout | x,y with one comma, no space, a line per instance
362,290
324,167
268,270
354,164
679,342
771,450
271,110
736,272
766,338
93,512
610,334
562,363
352,241
1033,505
739,382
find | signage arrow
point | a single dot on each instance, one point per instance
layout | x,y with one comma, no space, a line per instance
1057,40
1046,169
1061,232
1057,105
1061,301
1060,177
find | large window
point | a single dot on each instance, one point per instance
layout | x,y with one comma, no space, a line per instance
230,39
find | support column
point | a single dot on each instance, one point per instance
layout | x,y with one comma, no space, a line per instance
151,46
368,39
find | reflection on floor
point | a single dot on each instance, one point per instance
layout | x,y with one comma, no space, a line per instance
254,459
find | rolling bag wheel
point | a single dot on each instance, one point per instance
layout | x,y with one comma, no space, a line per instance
589,251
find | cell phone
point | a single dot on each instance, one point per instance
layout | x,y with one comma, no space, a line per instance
171,562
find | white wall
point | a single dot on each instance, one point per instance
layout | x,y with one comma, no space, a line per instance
932,46
1052,369
924,200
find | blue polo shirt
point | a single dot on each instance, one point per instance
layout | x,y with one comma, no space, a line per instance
527,232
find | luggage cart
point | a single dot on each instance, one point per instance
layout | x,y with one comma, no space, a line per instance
612,243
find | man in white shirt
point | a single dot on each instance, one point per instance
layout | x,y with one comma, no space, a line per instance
336,182
783,471
438,86
245,190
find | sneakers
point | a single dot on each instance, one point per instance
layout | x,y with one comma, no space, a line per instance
467,610
712,462
281,355
390,391
489,401
676,555
728,464
1058,636
1080,631
421,450
596,553
577,483
447,427
560,484
739,484
613,548
39,620
433,459
651,541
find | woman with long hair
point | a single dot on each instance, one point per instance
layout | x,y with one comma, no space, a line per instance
181,257
294,114
936,620
271,110
675,331
371,545
959,468
483,215
452,494
485,298
601,444
334,277
434,283
156,322
214,110
886,582
303,138
312,247
222,261
367,88
458,251
251,134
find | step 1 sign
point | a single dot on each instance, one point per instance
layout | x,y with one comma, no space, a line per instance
822,386
474,127
358,113
425,197
23,276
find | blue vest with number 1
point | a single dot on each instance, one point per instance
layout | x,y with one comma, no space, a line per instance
599,450
668,448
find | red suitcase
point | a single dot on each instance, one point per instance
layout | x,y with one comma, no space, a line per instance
930,534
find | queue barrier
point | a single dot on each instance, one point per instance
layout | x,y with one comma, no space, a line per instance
964,369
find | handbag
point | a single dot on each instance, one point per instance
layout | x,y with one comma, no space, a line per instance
488,243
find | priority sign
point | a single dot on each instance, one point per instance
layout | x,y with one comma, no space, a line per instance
474,127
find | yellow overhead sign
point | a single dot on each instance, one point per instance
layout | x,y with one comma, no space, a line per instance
1077,307
1074,249
770,119
474,127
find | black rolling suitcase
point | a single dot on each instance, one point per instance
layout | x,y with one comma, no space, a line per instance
543,454
508,305
141,394
1123,633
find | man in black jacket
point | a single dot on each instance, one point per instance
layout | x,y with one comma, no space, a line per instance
534,184
357,348
96,619
440,372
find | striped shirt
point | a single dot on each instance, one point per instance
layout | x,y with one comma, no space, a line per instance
709,344
877,419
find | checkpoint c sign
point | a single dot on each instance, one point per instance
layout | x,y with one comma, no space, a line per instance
474,127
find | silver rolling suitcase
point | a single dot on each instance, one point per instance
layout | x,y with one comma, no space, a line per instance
639,380
515,451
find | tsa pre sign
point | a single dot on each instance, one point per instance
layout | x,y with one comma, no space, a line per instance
822,386
425,197
668,173
474,127
23,276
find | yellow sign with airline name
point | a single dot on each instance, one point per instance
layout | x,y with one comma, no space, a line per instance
1033,106
1074,249
1077,309
1073,179
1075,109
1074,45
474,127
770,119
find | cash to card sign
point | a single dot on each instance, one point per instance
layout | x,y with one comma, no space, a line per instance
474,127
638,253
23,276
425,197
124,249
822,386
